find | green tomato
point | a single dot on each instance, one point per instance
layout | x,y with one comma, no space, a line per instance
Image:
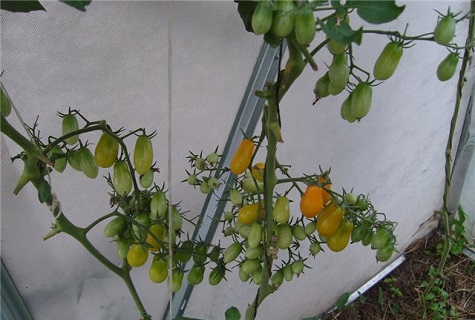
213,183
200,253
315,248
114,227
358,233
305,28
232,252
146,180
158,205
123,246
351,198
212,158
288,273
255,235
143,154
70,124
183,253
106,151
254,253
59,158
249,266
387,62
121,178
177,280
345,111
262,17
196,275
384,254
447,67
444,31
281,212
336,47
299,232
278,277
177,219
339,71
361,100
283,21
216,275
284,236
297,266
88,164
322,86
73,159
380,238
192,180
158,271
235,196
204,187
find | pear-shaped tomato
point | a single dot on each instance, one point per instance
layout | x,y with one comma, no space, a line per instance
143,154
106,152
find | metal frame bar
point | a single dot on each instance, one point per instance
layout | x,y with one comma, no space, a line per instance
246,120
13,307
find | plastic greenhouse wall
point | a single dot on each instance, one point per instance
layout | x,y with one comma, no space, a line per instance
111,63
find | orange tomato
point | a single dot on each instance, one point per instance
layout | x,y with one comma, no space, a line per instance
249,213
311,203
242,157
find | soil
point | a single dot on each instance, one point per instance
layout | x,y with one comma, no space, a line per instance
401,294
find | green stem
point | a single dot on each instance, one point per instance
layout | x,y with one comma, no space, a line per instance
96,222
448,153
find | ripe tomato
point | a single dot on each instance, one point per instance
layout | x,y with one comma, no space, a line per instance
283,20
158,205
361,100
249,213
258,171
87,163
242,158
262,17
143,154
158,271
444,31
70,124
121,178
196,274
311,203
304,25
137,255
329,220
387,62
340,238
114,227
447,67
284,236
5,105
106,152
158,230
232,252
281,212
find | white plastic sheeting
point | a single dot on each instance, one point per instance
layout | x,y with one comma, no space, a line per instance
111,62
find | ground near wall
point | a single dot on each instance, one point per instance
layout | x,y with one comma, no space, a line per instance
401,294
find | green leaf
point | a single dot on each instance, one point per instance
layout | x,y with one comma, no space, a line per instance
341,33
21,6
376,12
429,296
340,303
232,314
246,9
78,4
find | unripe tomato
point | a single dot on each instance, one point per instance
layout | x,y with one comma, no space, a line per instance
297,266
387,61
158,205
232,252
106,152
299,232
244,231
192,180
255,235
143,154
242,158
204,187
311,203
235,196
335,90
368,236
216,275
146,180
447,67
200,163
250,186
123,246
358,233
281,212
5,104
254,253
212,158
73,159
200,253
351,198
284,236
143,220
243,275
177,280
310,228
158,271
213,183
158,230
249,266
384,254
288,274
70,124
336,47
257,276
87,163
444,31
196,275
361,100
339,71
121,178
315,248
329,220
177,219
114,227
215,253
278,277
183,253
262,17
340,238
283,20
345,111
60,161
322,86
249,213
305,26
380,238
137,255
